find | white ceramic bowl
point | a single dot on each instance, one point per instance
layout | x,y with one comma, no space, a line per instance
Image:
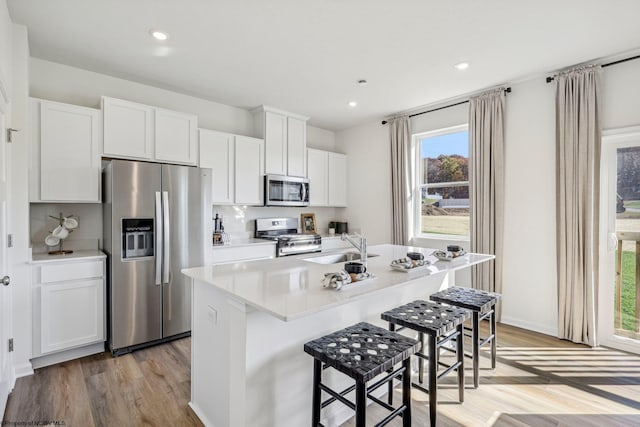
60,232
70,223
51,240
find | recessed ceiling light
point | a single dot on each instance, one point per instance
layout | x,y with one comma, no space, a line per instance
462,65
159,35
352,104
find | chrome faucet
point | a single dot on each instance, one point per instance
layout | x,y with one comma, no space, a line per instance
362,246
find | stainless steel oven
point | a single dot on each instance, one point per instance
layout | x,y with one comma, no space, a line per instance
280,190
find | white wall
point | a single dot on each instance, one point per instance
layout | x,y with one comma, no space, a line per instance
530,285
369,180
62,83
621,95
321,139
529,275
88,235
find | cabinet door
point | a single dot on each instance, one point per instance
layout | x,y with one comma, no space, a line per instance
72,314
69,153
128,129
337,179
176,137
216,152
248,171
317,168
275,143
296,146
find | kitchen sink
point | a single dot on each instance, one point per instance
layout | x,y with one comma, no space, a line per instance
336,258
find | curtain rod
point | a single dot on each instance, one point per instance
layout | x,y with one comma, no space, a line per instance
384,122
620,61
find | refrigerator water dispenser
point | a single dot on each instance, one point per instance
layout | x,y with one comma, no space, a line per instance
137,238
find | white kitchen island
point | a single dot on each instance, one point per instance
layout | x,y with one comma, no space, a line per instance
251,319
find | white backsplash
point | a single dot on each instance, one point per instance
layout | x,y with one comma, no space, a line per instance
240,220
88,235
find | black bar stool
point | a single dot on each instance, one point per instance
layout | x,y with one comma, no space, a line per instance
362,352
482,305
441,324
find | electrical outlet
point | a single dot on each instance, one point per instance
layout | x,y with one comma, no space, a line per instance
212,315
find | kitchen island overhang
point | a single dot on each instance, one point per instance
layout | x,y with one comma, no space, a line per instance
251,319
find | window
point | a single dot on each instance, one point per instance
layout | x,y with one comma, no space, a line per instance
442,182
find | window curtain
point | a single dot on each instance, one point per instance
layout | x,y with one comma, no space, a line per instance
400,135
578,181
486,175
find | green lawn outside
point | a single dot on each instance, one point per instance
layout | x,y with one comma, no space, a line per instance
446,224
628,314
634,204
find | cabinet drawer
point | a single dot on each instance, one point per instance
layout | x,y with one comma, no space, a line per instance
70,271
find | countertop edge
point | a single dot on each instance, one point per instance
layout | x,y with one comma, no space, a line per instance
82,255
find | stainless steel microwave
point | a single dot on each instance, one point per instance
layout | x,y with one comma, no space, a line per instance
281,190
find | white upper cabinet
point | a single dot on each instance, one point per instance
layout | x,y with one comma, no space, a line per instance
217,153
275,136
317,170
327,178
176,139
65,150
128,129
249,170
137,131
296,146
337,179
237,167
285,141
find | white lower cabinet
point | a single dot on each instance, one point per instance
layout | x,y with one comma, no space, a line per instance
68,309
68,316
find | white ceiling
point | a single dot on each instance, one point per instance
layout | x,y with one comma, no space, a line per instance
306,56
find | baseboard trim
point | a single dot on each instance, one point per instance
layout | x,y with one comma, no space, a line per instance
22,370
531,326
63,356
196,410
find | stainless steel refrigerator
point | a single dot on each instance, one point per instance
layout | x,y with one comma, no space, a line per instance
154,225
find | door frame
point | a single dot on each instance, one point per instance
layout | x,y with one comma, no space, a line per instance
612,139
6,318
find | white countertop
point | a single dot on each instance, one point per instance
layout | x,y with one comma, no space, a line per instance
75,256
290,287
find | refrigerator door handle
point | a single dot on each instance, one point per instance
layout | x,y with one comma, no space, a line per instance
166,237
158,239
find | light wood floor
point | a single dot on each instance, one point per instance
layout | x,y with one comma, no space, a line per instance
539,381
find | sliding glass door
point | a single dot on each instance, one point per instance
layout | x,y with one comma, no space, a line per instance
619,301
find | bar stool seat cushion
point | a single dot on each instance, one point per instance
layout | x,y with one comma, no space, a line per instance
362,351
471,299
427,317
